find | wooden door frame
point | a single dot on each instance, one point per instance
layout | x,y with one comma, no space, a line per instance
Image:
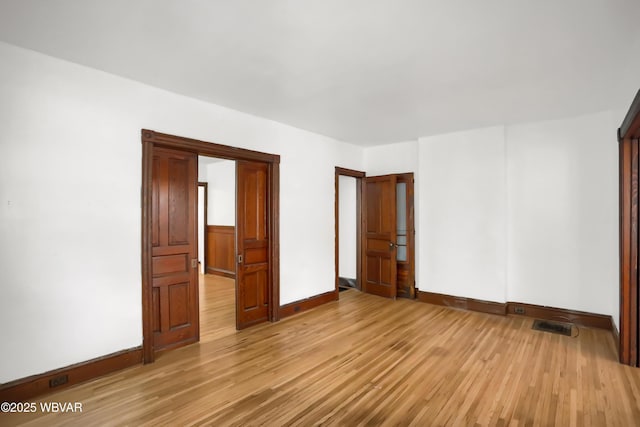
206,220
152,139
629,168
409,179
358,176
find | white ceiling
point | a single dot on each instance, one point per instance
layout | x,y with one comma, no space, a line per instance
362,71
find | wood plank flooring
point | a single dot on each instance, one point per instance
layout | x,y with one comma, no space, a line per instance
364,360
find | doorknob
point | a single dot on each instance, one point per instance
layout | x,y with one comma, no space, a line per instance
392,245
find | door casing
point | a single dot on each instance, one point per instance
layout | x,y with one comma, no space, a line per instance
358,177
152,139
205,185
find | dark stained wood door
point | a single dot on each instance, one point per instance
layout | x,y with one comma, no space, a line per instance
252,222
380,268
629,175
174,249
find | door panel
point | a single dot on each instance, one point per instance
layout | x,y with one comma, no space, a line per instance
174,246
252,296
380,236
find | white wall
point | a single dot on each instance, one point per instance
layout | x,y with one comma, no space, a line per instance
70,177
462,230
400,157
221,209
524,213
563,213
347,227
203,162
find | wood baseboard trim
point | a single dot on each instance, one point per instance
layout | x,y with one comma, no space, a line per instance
580,318
36,385
219,272
463,303
307,304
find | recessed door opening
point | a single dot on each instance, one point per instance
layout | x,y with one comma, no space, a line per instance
348,196
382,209
246,252
348,239
388,236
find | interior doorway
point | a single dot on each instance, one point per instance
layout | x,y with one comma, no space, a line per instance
216,245
389,236
218,232
385,232
348,224
169,238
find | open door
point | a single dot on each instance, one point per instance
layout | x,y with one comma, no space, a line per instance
380,246
170,315
252,222
174,263
629,158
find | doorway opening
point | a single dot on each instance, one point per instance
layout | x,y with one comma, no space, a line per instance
170,306
219,225
348,205
385,232
216,245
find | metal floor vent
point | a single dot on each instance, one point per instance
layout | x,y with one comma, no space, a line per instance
551,326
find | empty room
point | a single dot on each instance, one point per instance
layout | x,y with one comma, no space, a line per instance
382,212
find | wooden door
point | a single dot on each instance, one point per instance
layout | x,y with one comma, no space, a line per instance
252,222
380,269
629,169
174,260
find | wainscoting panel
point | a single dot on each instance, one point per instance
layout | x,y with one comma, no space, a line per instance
221,259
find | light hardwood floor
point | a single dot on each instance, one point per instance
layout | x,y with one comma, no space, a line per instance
364,360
